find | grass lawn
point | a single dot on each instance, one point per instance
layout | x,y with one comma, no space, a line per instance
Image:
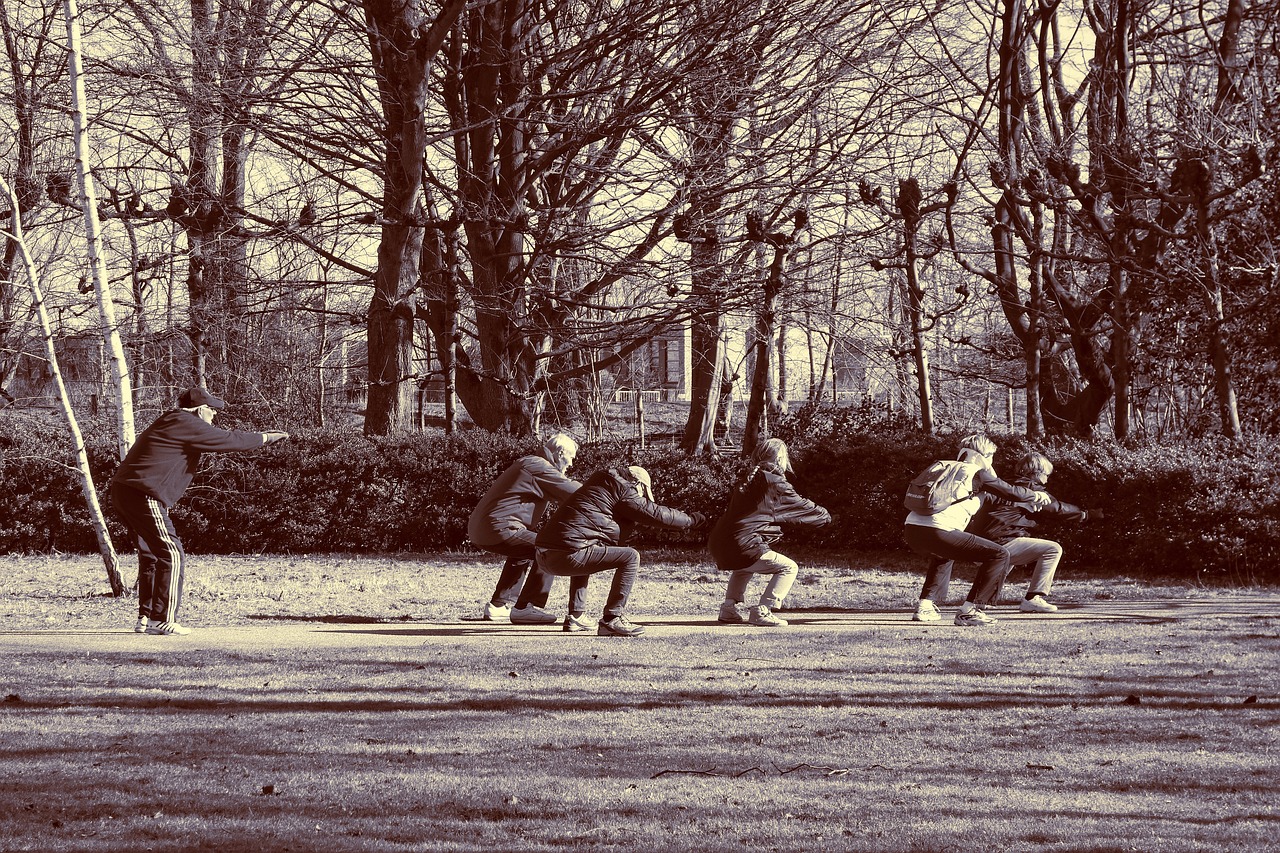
337,703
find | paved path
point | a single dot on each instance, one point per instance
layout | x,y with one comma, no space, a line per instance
1261,609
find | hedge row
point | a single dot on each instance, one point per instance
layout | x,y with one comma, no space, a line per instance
1207,510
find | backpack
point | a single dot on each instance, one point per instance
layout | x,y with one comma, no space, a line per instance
945,482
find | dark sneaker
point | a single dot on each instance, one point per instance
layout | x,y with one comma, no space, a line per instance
618,627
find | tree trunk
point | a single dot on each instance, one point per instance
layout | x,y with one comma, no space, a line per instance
96,519
909,207
706,349
403,49
117,366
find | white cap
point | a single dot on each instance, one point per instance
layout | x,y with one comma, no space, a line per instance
642,477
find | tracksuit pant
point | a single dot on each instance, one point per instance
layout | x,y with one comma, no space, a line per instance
160,554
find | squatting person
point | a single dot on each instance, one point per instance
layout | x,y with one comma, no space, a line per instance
504,523
741,541
584,536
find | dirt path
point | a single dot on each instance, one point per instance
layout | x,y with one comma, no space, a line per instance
352,634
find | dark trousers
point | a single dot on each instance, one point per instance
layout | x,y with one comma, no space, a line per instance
943,547
580,565
160,554
513,586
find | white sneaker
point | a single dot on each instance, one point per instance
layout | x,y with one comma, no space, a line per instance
761,616
970,617
1037,604
497,612
577,624
729,614
140,627
167,629
532,614
926,611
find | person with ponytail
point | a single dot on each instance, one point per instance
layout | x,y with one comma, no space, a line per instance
741,541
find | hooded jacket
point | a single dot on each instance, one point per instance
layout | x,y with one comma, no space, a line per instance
517,499
600,511
164,460
749,526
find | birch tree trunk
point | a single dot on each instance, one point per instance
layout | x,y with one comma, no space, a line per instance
96,518
117,367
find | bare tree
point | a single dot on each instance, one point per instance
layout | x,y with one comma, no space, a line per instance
117,367
96,518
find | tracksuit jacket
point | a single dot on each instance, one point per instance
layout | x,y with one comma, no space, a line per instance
749,527
165,458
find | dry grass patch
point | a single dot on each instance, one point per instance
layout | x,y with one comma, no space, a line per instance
407,734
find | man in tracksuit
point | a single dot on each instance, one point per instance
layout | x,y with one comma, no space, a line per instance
154,474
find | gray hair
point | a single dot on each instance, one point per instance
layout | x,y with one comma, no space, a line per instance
560,443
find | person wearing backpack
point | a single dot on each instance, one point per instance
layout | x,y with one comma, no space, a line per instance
935,528
741,541
1010,524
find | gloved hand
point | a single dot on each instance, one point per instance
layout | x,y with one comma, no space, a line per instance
700,521
1094,515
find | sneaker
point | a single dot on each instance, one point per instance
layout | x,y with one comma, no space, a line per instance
167,629
926,611
1037,604
618,626
730,615
497,612
761,616
973,618
532,614
140,627
574,624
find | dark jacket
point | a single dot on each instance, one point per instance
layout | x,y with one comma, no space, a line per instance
598,513
750,525
165,458
517,499
986,481
1002,521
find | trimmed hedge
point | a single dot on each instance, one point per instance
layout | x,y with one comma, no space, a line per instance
1204,509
